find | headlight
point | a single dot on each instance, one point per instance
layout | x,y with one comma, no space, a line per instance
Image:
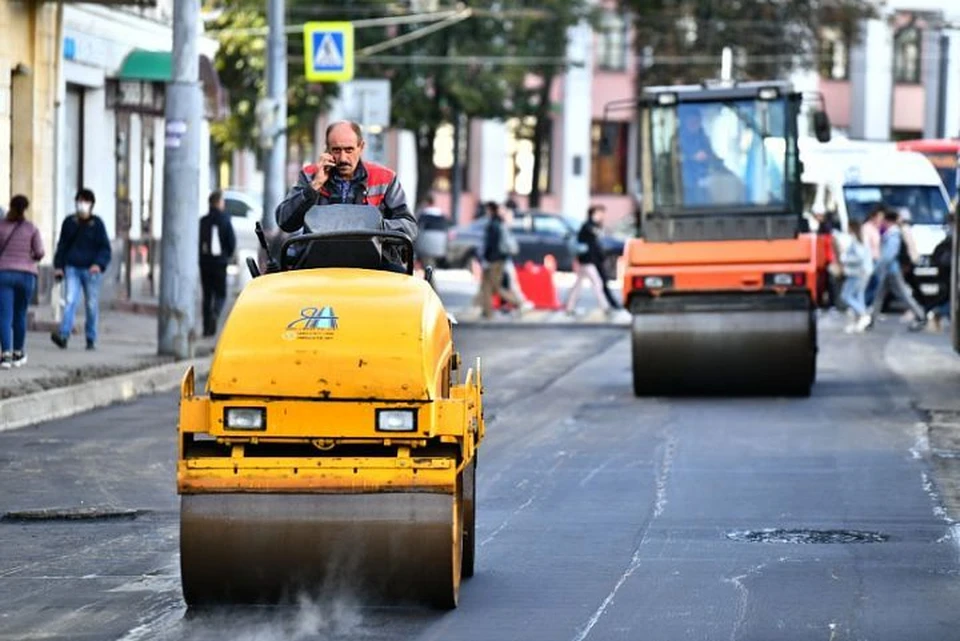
245,418
397,420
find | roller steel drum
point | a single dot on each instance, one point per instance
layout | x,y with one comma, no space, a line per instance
272,548
724,344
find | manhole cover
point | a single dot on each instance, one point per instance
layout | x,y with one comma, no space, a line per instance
802,537
72,514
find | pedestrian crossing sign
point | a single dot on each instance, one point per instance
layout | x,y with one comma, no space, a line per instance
328,51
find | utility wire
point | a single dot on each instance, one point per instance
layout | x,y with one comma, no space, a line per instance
415,35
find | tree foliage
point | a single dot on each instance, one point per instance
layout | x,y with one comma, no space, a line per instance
682,40
241,63
544,37
484,81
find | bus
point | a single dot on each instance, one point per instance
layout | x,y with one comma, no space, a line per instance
942,154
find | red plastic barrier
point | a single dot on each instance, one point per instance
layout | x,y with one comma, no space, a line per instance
536,283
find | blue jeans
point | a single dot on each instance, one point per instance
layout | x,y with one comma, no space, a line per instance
78,279
854,288
872,285
16,290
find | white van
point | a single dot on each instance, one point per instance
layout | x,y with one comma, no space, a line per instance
851,179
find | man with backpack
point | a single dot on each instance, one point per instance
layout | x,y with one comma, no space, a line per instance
890,273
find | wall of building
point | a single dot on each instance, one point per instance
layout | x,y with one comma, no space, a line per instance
875,107
28,72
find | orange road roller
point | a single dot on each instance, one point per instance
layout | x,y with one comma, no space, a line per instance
721,278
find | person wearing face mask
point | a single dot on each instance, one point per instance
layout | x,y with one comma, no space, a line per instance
82,256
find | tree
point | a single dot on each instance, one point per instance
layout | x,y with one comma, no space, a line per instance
241,63
545,37
426,95
682,40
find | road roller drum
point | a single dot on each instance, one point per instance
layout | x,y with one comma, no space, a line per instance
751,344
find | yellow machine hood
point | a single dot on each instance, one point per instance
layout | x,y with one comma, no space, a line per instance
333,334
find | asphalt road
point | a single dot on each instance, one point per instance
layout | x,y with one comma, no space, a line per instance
601,516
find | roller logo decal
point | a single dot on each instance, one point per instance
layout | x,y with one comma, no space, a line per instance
315,323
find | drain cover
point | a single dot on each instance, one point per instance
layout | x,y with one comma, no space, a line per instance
72,514
802,537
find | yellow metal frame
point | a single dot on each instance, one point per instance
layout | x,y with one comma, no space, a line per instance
457,420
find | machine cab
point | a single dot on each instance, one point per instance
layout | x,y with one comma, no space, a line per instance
721,162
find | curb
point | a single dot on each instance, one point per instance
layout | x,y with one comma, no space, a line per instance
63,402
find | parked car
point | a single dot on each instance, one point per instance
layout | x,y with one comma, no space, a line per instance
539,234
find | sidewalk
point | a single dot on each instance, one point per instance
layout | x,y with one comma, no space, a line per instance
59,382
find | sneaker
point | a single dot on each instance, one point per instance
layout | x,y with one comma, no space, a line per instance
864,323
59,341
91,346
19,359
918,325
6,360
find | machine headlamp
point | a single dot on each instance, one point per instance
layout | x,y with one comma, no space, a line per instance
245,418
397,420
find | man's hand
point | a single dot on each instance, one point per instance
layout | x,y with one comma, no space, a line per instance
58,274
324,164
95,269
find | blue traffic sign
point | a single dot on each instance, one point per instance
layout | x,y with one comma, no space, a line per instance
328,51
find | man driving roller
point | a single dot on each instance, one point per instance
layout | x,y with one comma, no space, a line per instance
340,177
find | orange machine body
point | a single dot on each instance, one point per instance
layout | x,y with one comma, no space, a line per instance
741,266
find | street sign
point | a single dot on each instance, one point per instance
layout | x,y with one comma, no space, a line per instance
328,51
363,100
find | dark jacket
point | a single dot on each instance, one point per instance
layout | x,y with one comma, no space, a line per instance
590,238
228,238
383,190
83,244
492,241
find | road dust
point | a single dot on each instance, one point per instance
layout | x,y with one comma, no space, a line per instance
323,619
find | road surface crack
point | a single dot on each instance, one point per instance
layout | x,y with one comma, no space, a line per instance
743,597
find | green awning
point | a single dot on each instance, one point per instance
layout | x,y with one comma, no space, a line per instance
151,66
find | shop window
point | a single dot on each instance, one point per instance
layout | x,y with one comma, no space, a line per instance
608,162
906,55
834,55
612,45
520,149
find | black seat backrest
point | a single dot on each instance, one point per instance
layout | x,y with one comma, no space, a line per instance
365,253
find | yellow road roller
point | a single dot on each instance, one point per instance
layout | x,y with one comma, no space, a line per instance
334,447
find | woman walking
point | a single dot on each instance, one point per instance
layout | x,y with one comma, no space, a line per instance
20,249
590,264
857,262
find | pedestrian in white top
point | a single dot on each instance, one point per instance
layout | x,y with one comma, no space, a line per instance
857,263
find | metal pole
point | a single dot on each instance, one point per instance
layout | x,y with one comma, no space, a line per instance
181,188
726,64
274,185
942,80
456,170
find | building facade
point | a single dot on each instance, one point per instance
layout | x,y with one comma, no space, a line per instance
901,80
110,126
589,157
29,54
